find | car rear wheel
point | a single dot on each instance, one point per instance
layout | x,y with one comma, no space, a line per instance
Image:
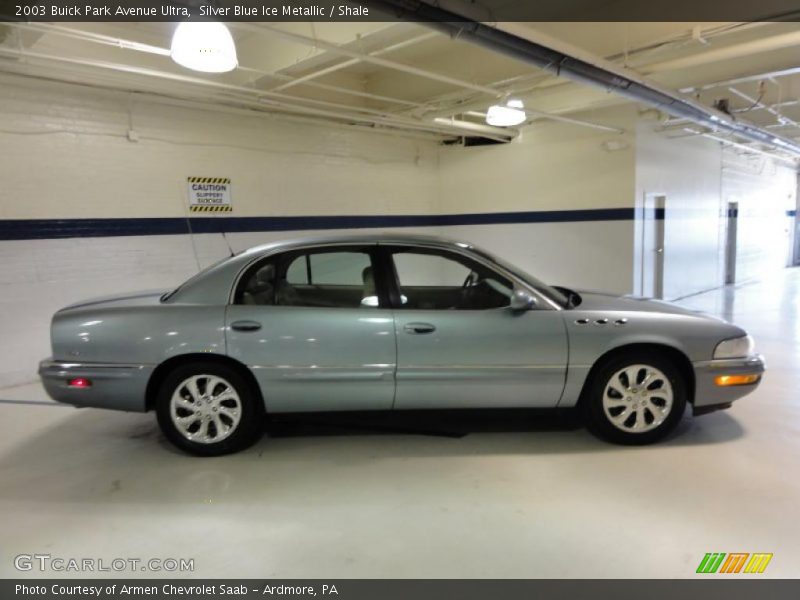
209,409
635,399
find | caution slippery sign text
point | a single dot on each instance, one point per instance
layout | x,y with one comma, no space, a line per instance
210,194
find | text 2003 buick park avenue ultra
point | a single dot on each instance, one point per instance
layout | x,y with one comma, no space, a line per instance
389,323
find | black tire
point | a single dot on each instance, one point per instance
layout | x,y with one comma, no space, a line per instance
240,434
643,404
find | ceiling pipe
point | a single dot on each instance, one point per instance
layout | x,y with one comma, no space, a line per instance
90,36
767,107
743,147
521,85
281,102
117,42
248,109
525,47
354,61
756,103
739,80
776,42
266,29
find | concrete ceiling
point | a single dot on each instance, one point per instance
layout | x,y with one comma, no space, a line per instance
403,76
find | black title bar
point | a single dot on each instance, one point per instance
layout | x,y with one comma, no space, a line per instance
382,10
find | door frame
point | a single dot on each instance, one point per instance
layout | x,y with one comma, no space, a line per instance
652,210
441,367
796,228
281,384
731,241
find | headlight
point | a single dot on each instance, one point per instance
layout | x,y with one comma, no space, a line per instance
735,348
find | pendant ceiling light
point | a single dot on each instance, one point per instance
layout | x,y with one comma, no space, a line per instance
204,46
506,115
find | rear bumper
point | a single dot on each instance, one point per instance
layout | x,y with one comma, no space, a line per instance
709,396
114,386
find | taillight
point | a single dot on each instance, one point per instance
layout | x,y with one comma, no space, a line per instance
80,382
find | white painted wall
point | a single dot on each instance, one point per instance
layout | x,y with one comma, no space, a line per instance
552,167
68,155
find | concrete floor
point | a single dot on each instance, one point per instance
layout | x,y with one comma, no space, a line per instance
536,498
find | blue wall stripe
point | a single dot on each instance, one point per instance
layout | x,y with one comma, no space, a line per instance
29,229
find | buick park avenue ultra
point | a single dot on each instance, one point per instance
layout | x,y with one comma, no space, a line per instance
389,323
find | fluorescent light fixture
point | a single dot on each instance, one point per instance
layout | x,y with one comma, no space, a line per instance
506,115
204,46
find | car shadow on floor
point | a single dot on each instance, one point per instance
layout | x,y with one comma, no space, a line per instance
436,423
460,423
103,456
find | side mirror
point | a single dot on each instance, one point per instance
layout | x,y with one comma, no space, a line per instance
522,300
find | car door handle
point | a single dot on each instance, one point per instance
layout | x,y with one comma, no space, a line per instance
245,325
419,328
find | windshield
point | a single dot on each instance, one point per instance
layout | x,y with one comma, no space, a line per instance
548,291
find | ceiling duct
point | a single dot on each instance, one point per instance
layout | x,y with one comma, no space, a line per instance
581,70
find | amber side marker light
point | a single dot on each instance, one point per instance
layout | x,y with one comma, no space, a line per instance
80,382
726,380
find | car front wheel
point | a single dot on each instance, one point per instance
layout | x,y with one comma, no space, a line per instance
209,409
635,399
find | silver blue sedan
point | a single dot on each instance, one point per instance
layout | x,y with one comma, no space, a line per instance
389,323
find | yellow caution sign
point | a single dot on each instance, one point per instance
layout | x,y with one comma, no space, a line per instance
207,208
210,194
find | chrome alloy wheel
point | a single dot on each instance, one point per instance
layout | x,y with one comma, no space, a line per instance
205,409
637,398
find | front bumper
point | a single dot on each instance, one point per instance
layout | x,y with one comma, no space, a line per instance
114,386
709,396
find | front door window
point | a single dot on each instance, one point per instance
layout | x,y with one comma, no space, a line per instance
434,280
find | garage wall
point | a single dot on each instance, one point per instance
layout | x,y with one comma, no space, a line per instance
581,182
698,177
766,192
687,171
77,137
67,159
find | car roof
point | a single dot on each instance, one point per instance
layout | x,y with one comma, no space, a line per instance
213,284
374,238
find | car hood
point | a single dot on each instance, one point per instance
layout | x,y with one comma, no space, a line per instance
594,300
141,298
